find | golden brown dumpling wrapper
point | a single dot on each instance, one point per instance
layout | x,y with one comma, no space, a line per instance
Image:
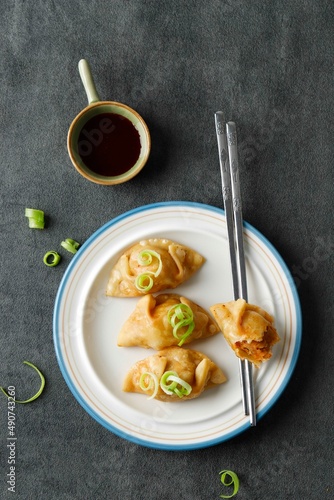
193,367
248,329
178,264
148,325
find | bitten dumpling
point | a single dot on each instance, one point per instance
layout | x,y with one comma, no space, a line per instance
151,266
248,329
164,321
173,374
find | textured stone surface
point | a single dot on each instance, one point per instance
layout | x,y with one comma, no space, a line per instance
269,66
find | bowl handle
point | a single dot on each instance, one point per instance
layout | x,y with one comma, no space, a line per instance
88,82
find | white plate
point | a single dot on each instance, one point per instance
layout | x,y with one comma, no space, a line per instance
86,326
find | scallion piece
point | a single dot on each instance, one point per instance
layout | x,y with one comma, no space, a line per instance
179,316
185,387
152,383
38,393
229,478
36,218
70,245
145,258
36,224
51,258
170,381
168,388
144,282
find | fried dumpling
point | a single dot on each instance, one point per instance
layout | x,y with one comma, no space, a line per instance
151,266
173,374
248,329
157,322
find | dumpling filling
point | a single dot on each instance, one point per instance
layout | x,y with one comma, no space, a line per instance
248,329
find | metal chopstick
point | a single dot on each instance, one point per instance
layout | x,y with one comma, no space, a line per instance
227,197
229,167
232,144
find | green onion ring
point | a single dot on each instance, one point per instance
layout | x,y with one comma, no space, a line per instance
140,280
186,388
70,245
184,337
229,478
180,310
51,258
176,318
178,393
38,393
168,388
152,384
179,316
36,218
145,258
171,387
36,224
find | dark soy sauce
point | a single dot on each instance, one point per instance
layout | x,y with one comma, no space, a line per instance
109,144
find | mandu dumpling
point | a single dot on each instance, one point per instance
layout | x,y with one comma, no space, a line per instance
248,329
173,374
151,266
164,321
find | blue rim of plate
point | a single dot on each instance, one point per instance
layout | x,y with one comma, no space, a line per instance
68,379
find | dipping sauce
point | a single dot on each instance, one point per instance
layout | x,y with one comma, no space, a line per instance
109,144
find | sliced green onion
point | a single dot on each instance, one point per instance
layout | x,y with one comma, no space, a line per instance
180,311
140,281
185,387
229,478
153,383
168,388
36,224
51,258
38,393
179,316
144,258
169,384
36,218
34,213
70,245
